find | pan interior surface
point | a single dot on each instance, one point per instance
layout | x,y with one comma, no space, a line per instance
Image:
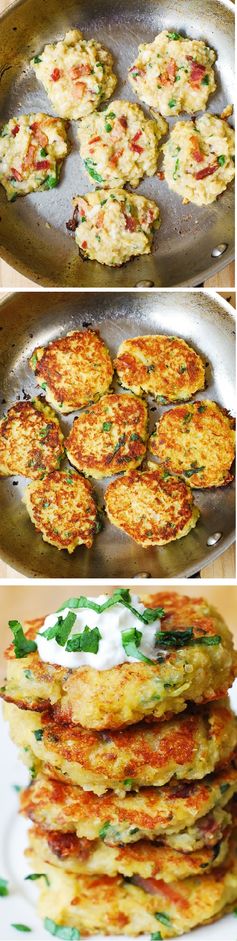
33,231
36,318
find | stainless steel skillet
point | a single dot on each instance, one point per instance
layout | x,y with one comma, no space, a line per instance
33,235
32,319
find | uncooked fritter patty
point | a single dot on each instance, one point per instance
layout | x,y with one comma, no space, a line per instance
76,73
174,74
151,506
163,366
199,159
197,440
120,145
188,747
63,509
185,672
73,370
110,436
32,149
142,859
184,815
113,227
31,440
111,906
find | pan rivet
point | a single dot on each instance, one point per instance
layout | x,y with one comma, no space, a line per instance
219,250
144,284
212,540
142,575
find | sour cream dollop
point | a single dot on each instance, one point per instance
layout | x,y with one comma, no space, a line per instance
111,623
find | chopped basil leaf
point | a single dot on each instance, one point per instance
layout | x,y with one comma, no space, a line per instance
44,385
38,733
135,437
163,918
187,418
120,596
50,181
151,614
22,646
37,59
61,931
106,425
61,630
43,152
193,470
108,127
20,927
224,788
131,640
182,369
81,602
205,80
88,641
89,164
177,639
156,936
37,875
108,831
110,116
128,783
174,36
175,178
202,408
172,103
221,160
4,887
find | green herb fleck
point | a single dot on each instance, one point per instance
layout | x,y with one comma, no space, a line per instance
90,164
202,408
106,425
224,788
193,470
182,369
88,641
38,733
44,385
34,360
4,887
135,437
37,875
131,640
20,927
175,171
172,103
17,788
43,152
205,80
221,160
61,931
187,418
174,36
37,59
22,646
163,918
156,936
50,182
128,783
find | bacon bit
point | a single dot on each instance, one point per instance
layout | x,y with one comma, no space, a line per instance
16,175
131,223
84,244
161,175
155,886
78,70
136,148
197,153
100,219
15,130
56,74
114,159
171,70
123,121
136,137
28,161
197,71
79,89
39,134
42,165
94,140
207,171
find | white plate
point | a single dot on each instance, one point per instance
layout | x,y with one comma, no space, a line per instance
20,905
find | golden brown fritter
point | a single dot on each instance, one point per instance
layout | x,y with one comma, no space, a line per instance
108,905
199,161
32,150
77,74
199,672
189,747
109,437
186,815
144,859
198,441
63,509
151,506
31,440
74,370
120,144
163,366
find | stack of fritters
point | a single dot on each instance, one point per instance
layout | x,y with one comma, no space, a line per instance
133,780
